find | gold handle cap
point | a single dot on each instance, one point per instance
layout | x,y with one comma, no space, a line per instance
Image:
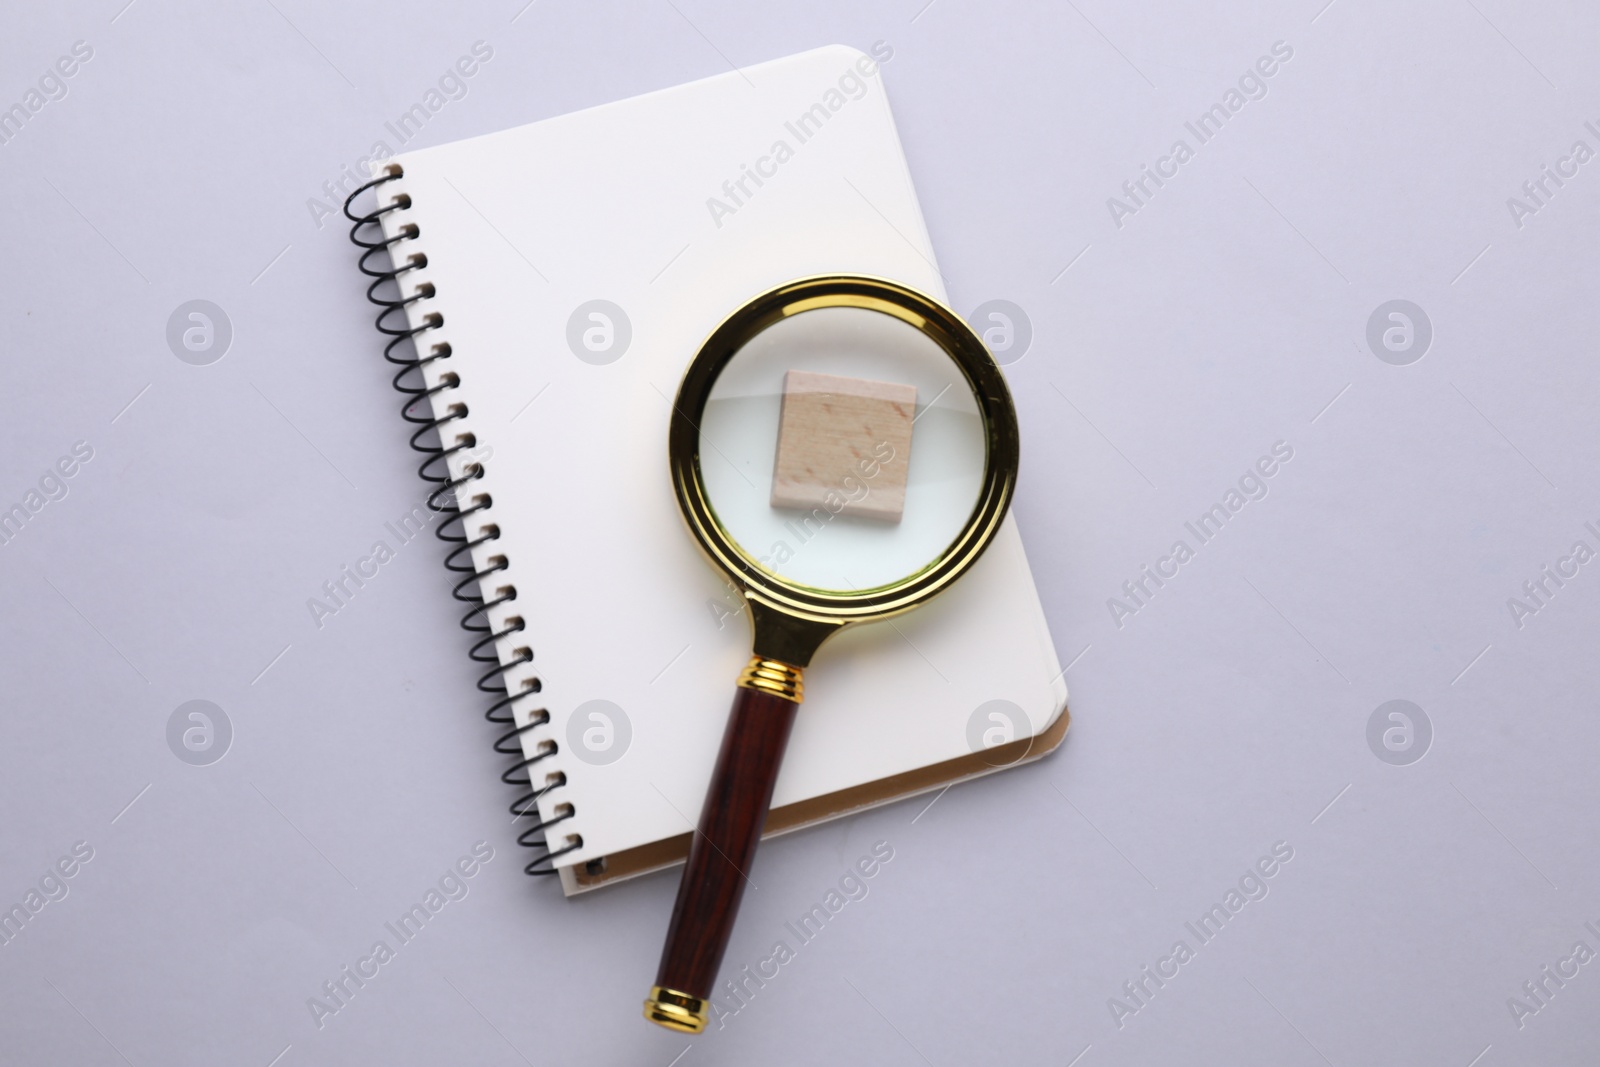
676,1011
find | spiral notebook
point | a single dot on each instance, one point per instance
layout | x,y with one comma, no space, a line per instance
556,279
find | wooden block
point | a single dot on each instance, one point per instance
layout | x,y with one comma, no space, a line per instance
844,445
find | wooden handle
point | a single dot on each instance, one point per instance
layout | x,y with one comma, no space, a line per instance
719,859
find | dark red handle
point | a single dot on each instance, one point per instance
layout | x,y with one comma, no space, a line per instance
720,856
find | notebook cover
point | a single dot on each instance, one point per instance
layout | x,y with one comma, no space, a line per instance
650,206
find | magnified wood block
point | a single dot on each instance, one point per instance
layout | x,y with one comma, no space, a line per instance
844,445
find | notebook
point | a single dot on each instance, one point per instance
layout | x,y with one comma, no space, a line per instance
570,269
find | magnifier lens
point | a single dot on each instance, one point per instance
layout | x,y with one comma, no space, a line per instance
842,449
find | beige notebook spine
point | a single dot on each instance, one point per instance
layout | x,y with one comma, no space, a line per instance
675,850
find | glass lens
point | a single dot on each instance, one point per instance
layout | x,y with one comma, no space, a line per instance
842,449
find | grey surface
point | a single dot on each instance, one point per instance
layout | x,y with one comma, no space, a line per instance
1231,712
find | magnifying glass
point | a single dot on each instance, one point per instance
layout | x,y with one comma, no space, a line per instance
843,448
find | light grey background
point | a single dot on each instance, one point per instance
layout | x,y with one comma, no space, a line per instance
1229,313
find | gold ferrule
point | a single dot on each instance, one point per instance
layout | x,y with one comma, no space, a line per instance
771,676
676,1011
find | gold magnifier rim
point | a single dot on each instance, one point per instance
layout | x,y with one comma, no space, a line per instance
918,310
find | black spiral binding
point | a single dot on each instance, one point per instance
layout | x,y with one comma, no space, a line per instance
428,439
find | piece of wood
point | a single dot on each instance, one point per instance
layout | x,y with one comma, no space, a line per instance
725,842
844,445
